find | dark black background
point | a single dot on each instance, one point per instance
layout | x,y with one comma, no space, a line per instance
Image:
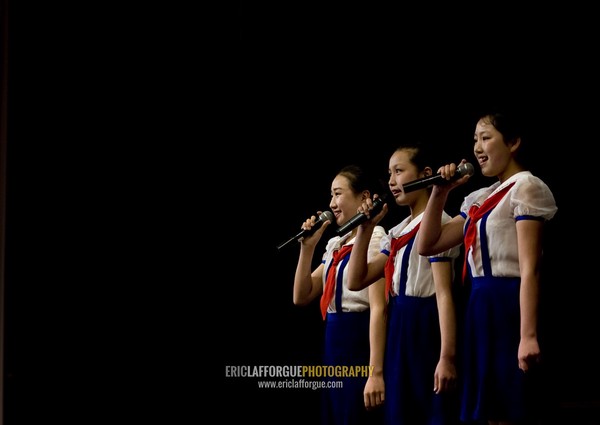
157,157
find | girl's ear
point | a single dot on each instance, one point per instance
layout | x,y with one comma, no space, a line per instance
366,194
514,144
427,172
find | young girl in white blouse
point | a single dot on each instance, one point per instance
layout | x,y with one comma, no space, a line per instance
420,351
354,320
501,227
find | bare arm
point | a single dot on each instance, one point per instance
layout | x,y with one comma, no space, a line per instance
374,393
435,237
529,237
361,272
445,373
308,285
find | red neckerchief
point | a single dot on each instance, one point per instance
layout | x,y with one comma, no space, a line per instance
396,244
331,274
475,214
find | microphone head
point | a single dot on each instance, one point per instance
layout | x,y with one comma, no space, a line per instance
327,215
465,169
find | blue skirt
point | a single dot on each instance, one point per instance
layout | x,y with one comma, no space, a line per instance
494,387
347,344
412,352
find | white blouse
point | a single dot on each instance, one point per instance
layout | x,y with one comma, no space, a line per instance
419,282
528,199
351,300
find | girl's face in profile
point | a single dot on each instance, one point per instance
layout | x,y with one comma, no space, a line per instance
401,170
344,202
491,151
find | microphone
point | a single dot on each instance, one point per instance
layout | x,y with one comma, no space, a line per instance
325,215
361,217
462,170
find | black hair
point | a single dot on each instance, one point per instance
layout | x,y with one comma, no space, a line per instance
422,155
510,123
361,180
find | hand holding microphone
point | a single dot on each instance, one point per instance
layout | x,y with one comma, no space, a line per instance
360,218
463,169
323,217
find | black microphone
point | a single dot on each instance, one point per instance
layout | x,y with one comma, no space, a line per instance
462,170
326,215
361,217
